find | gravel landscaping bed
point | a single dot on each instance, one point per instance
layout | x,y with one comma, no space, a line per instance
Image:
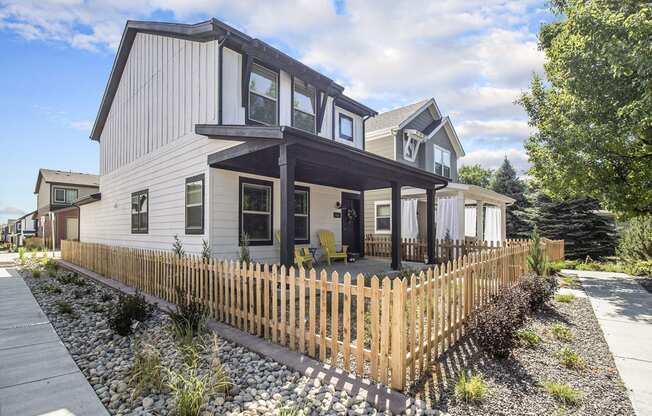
646,282
261,386
516,385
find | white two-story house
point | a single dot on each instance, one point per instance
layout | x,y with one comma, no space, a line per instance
419,135
209,134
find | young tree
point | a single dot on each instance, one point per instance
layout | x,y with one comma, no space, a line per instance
475,175
593,113
506,182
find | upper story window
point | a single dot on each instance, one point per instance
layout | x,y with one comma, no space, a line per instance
346,127
65,195
442,162
411,141
139,212
263,95
256,211
303,106
195,205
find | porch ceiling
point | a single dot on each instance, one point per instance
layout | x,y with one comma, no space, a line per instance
318,160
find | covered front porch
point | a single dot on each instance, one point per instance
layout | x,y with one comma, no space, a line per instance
292,155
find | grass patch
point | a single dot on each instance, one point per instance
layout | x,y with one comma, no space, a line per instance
146,370
65,308
569,281
470,388
565,298
528,337
570,359
563,393
291,411
52,289
561,332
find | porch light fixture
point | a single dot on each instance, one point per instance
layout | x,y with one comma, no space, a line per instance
412,139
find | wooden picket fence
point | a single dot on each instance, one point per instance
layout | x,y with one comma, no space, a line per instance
387,330
415,250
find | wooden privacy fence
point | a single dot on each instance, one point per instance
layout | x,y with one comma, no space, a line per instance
413,249
382,329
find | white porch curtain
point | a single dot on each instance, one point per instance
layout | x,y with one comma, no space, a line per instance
492,223
448,217
469,221
409,220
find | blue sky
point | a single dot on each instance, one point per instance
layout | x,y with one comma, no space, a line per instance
474,57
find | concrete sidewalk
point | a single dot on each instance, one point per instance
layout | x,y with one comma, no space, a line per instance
624,311
37,374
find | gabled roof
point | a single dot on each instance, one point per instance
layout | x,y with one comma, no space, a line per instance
66,177
393,118
26,215
445,123
209,30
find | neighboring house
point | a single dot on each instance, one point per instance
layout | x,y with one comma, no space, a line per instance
7,230
56,192
203,132
24,227
419,135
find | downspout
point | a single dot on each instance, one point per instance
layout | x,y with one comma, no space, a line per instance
220,54
364,138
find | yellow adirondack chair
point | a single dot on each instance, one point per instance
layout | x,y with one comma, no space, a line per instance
327,241
302,256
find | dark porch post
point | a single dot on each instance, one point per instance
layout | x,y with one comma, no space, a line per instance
396,226
430,225
361,222
287,164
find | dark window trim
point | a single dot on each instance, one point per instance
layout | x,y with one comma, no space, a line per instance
292,109
253,181
139,230
339,127
303,241
248,120
190,230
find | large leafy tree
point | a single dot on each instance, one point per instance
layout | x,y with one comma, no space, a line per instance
506,182
475,175
593,113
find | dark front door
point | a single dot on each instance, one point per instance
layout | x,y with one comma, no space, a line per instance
351,222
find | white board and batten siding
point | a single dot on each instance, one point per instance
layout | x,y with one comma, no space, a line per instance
168,85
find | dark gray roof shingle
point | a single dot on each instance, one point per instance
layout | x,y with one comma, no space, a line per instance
393,117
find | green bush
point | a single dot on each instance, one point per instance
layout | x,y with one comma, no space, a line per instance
36,273
565,298
470,388
495,324
639,268
561,332
189,318
570,359
536,259
636,240
563,393
539,289
528,337
129,308
65,308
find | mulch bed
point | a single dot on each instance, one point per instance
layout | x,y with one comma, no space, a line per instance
516,384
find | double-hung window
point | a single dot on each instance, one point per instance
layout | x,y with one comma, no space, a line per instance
303,106
256,211
139,212
195,205
442,162
65,195
301,215
263,95
346,127
383,213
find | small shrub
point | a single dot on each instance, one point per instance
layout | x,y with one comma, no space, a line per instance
540,289
53,289
65,308
494,325
245,255
470,388
177,247
565,297
528,337
68,278
189,318
189,391
129,308
145,373
21,256
536,259
205,250
189,354
561,332
563,393
221,381
106,297
570,359
291,411
36,273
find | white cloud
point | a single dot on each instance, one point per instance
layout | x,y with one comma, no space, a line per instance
9,211
82,125
492,159
505,130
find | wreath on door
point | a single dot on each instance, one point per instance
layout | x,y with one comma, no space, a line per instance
351,214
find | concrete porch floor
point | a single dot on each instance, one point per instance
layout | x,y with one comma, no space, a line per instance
368,266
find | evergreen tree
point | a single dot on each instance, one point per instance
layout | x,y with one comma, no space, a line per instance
506,182
586,229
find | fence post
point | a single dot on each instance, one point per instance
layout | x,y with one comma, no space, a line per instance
399,353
